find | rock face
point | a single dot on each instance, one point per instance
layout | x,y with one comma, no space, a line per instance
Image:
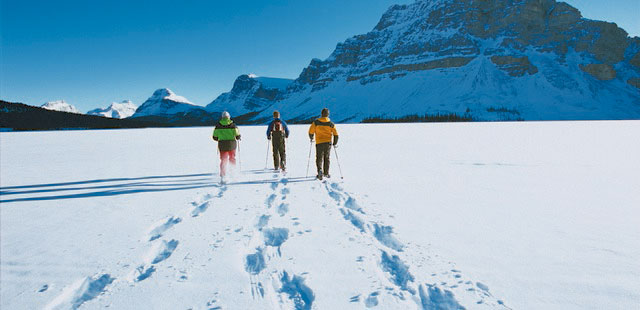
249,93
537,59
116,110
603,72
515,66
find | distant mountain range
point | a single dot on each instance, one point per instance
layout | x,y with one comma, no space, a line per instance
446,60
167,107
60,105
123,109
18,116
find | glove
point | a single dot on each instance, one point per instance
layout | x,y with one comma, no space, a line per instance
335,141
238,137
268,137
214,138
311,137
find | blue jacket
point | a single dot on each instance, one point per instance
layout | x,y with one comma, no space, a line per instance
284,125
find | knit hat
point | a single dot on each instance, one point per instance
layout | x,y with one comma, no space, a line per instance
225,114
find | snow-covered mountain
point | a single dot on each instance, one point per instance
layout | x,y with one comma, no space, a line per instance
60,105
250,93
116,110
492,60
165,106
164,102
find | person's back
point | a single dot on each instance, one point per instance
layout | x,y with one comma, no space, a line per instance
226,133
277,132
324,131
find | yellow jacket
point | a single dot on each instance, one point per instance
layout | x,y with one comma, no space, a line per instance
323,128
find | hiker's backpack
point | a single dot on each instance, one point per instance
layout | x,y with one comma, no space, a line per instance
277,130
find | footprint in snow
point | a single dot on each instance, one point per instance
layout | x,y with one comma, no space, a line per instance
354,219
398,271
200,209
262,221
270,200
372,300
275,237
158,253
255,263
298,292
158,228
81,291
283,208
285,191
384,235
435,298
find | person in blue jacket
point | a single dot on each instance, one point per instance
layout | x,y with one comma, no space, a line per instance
277,132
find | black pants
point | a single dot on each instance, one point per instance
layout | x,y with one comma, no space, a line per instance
279,154
323,151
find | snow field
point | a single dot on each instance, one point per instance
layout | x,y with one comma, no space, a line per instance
428,215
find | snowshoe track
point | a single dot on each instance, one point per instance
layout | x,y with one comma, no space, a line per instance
275,246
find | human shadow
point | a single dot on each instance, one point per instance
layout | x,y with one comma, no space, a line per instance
125,186
2,189
105,187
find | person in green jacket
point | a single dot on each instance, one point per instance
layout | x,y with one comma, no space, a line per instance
226,133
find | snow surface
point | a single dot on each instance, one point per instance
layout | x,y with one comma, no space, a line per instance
116,110
60,105
428,216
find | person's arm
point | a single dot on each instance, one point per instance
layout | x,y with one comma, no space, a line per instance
215,134
335,135
312,130
269,128
286,129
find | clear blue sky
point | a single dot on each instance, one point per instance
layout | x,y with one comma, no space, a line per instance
91,53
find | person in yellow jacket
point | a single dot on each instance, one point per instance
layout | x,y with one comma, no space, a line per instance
324,130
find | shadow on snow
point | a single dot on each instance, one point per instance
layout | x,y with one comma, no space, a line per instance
126,186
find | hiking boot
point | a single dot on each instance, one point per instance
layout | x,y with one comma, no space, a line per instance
319,176
327,176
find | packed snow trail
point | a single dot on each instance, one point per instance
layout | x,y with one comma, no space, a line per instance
265,240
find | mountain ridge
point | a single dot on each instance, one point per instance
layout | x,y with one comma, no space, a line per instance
538,60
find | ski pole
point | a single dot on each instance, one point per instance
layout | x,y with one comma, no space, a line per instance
338,160
239,157
266,160
309,159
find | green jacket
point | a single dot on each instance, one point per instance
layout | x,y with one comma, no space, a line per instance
226,133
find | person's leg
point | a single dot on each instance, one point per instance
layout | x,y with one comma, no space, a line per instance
319,158
224,156
283,156
327,154
276,155
232,157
